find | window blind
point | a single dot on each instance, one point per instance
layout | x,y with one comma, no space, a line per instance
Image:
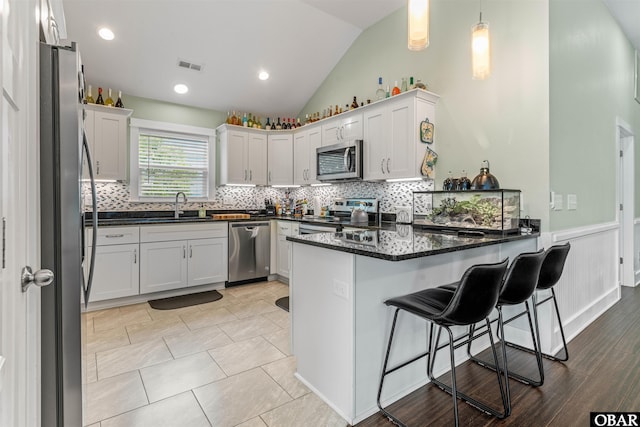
169,164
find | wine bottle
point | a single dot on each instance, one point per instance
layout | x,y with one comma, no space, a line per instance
119,103
250,121
380,93
403,87
100,101
268,125
89,97
288,123
273,125
354,104
245,121
109,101
234,119
411,86
387,93
228,117
298,124
278,125
396,90
337,111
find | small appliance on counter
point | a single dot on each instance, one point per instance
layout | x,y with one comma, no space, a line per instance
356,210
270,207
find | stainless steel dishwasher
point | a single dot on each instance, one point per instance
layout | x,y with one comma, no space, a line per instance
249,252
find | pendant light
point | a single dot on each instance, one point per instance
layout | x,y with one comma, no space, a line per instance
418,16
480,49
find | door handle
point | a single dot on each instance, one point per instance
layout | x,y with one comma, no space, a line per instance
388,160
40,278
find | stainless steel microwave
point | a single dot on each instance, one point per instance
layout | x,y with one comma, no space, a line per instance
340,162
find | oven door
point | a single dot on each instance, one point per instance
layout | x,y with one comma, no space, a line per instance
340,162
315,228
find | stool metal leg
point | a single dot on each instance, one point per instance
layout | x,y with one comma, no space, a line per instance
535,314
385,372
482,406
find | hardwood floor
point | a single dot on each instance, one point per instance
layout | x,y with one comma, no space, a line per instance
602,374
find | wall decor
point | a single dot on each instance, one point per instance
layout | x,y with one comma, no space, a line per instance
429,163
426,131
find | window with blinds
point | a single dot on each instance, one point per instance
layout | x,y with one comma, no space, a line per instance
170,163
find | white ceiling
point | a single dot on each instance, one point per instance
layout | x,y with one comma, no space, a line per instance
627,13
297,41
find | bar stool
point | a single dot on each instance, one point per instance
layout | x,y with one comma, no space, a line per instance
550,273
473,300
518,286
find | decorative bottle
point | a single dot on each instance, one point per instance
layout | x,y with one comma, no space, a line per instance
119,103
109,101
100,101
89,98
380,93
396,90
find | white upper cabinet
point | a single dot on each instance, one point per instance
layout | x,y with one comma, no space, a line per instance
242,156
342,128
305,142
280,159
107,129
392,146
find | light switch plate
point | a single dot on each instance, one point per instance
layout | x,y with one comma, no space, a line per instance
572,202
558,203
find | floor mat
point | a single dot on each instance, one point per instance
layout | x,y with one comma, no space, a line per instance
283,303
185,300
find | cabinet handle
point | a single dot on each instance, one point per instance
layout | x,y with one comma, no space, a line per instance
382,166
269,176
135,256
114,236
245,174
388,160
342,132
97,167
184,252
250,175
190,251
337,133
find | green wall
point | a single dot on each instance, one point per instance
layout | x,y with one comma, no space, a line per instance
591,82
149,109
503,119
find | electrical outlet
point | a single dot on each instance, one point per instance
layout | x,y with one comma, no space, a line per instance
227,201
341,289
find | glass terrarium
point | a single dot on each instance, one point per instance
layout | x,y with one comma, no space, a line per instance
490,211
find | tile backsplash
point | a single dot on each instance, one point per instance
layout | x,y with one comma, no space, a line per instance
115,196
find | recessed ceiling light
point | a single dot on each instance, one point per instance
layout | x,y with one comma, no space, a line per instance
263,75
106,33
181,88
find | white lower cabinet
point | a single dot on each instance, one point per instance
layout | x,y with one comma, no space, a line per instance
168,262
116,272
283,247
163,266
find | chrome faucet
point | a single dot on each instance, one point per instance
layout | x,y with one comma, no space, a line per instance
177,211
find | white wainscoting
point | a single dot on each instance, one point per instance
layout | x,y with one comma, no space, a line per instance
589,283
636,245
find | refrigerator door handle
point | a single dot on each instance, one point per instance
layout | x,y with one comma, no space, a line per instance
94,222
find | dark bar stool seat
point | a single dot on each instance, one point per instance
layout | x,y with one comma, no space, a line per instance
550,273
518,287
472,301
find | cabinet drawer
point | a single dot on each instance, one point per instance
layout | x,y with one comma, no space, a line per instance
284,228
114,235
165,233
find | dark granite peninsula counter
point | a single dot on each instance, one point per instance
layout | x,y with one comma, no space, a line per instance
339,322
403,242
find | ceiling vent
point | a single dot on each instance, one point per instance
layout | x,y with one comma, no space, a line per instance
189,65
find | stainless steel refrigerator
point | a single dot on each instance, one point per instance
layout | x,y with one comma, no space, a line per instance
62,144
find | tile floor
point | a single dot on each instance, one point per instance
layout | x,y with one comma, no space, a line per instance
225,363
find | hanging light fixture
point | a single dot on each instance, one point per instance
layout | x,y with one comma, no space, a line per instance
480,49
418,15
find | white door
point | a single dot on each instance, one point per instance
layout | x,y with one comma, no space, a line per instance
626,203
19,209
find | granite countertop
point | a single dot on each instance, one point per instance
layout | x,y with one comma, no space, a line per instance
401,242
109,219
